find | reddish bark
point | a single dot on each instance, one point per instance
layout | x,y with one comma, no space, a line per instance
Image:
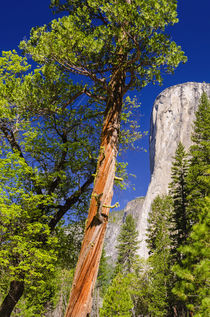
80,302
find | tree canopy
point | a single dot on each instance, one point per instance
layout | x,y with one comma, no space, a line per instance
96,38
52,134
45,168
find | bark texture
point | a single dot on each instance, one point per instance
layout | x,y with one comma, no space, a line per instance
80,302
13,296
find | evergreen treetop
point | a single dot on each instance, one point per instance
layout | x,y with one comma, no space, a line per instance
127,245
178,192
159,245
200,152
193,272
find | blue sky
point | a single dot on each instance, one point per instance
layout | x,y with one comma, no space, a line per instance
192,33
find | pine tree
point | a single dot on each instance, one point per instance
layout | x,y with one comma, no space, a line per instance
200,159
117,301
179,223
159,244
139,288
158,220
178,192
193,271
128,271
105,274
127,246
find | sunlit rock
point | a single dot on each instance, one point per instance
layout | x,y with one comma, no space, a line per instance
171,121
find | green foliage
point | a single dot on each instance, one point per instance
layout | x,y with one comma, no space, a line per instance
159,244
49,297
92,39
179,192
45,169
117,301
104,274
159,225
198,176
127,293
193,272
139,288
49,132
69,243
127,245
26,244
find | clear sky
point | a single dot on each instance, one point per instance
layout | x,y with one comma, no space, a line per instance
192,33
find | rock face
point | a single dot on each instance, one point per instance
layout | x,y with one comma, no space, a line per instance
116,219
171,121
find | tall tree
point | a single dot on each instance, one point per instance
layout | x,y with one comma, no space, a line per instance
200,158
130,268
178,192
41,133
117,46
193,272
180,227
127,246
48,150
159,244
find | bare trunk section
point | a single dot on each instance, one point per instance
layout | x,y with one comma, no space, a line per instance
13,296
80,301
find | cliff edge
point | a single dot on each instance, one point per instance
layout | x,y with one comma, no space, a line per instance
171,122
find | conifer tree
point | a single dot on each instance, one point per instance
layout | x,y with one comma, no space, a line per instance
159,244
127,246
193,272
179,229
178,192
127,271
105,273
198,176
117,301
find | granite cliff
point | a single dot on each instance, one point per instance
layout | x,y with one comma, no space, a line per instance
171,121
116,219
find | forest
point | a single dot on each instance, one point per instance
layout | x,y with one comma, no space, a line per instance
65,118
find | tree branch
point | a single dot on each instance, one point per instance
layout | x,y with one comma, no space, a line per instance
73,98
8,133
69,203
60,165
94,96
80,71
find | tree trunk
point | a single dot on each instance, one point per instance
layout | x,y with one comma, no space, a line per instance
80,301
13,296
